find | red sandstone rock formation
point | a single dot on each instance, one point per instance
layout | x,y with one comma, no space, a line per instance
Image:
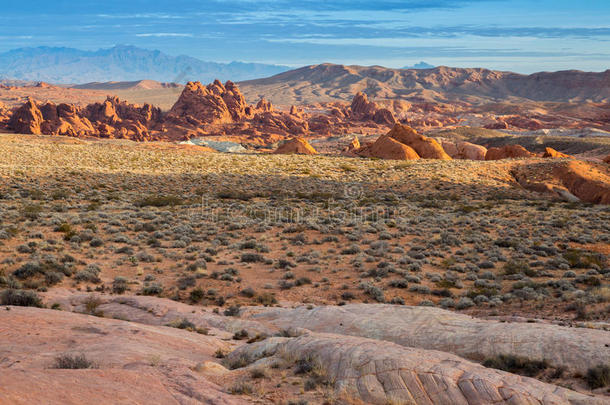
264,105
506,152
296,146
113,118
426,148
589,182
364,110
212,104
27,119
386,147
552,153
463,150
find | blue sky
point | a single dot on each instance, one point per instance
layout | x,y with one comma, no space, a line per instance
518,35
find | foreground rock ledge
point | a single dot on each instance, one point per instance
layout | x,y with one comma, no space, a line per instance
382,372
576,349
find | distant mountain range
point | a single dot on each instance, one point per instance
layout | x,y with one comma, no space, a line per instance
420,65
121,63
329,82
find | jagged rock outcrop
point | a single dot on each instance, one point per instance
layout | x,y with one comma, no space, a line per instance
433,328
352,147
377,373
297,146
297,112
552,153
264,105
27,119
463,150
273,122
65,119
113,118
364,110
508,152
4,115
212,104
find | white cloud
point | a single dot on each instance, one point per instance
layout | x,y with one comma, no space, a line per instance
164,34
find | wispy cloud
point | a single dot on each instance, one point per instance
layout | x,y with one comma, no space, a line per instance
161,16
164,34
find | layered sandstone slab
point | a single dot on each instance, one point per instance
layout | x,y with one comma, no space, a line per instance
432,328
377,372
132,363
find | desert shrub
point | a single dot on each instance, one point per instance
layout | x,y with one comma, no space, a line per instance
316,373
233,310
241,388
374,292
258,373
266,299
182,324
89,274
351,250
73,362
152,289
235,362
31,211
185,282
159,201
464,303
119,285
515,267
583,259
598,376
67,230
348,295
28,270
248,292
302,281
516,364
242,334
252,258
196,295
53,277
21,298
399,283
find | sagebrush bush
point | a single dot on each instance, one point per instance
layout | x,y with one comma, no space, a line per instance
21,298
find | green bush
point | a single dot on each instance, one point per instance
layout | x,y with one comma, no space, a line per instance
21,298
159,201
598,376
516,364
73,362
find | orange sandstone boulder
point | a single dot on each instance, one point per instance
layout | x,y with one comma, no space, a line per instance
426,148
607,159
386,147
589,182
297,146
463,150
506,152
552,153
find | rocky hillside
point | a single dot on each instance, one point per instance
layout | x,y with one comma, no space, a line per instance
328,82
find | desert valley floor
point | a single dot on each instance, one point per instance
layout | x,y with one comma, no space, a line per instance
171,274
